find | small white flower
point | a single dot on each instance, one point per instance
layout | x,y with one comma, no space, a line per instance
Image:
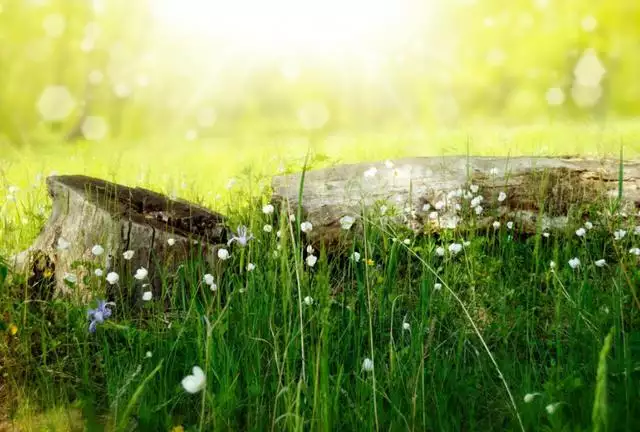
588,225
619,234
195,382
147,295
383,210
406,326
551,408
574,263
149,354
455,248
346,222
13,190
510,225
406,241
306,227
267,228
292,218
63,244
213,287
223,254
636,230
141,273
268,209
635,251
171,241
479,210
98,272
580,232
310,249
496,224
426,207
70,277
473,188
476,201
371,172
437,286
97,250
552,264
466,243
388,164
493,171
545,234
208,279
439,205
529,397
113,278
600,263
251,267
502,196
308,300
433,215
278,233
355,256
311,260
128,254
367,365
440,251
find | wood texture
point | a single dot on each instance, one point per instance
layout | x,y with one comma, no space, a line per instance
88,211
556,184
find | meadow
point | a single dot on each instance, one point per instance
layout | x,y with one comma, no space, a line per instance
468,330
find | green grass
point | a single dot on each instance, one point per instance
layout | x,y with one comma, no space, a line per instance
503,325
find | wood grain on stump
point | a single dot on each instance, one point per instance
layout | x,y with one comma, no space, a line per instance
88,211
534,186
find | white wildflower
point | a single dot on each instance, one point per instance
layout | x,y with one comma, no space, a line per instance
455,248
574,263
268,209
367,365
439,205
355,256
600,263
63,244
311,260
71,278
306,227
440,251
98,272
267,228
97,250
147,295
113,278
496,224
580,232
588,225
171,241
437,286
128,254
141,273
308,300
251,267
510,225
223,254
346,222
502,196
473,188
195,382
619,234
208,279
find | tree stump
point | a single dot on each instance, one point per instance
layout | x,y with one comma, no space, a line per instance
539,192
161,232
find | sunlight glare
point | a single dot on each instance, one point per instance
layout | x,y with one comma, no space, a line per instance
283,25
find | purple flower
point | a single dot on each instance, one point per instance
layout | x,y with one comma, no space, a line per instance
242,238
98,315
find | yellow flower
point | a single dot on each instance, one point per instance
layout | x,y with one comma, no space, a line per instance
370,262
13,329
177,429
47,273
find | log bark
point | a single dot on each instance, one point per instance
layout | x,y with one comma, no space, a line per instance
88,211
534,187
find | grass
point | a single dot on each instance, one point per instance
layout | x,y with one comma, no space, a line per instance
504,325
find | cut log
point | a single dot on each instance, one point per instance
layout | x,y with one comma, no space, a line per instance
88,211
416,187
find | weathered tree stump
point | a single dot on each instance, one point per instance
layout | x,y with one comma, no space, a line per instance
162,233
533,186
